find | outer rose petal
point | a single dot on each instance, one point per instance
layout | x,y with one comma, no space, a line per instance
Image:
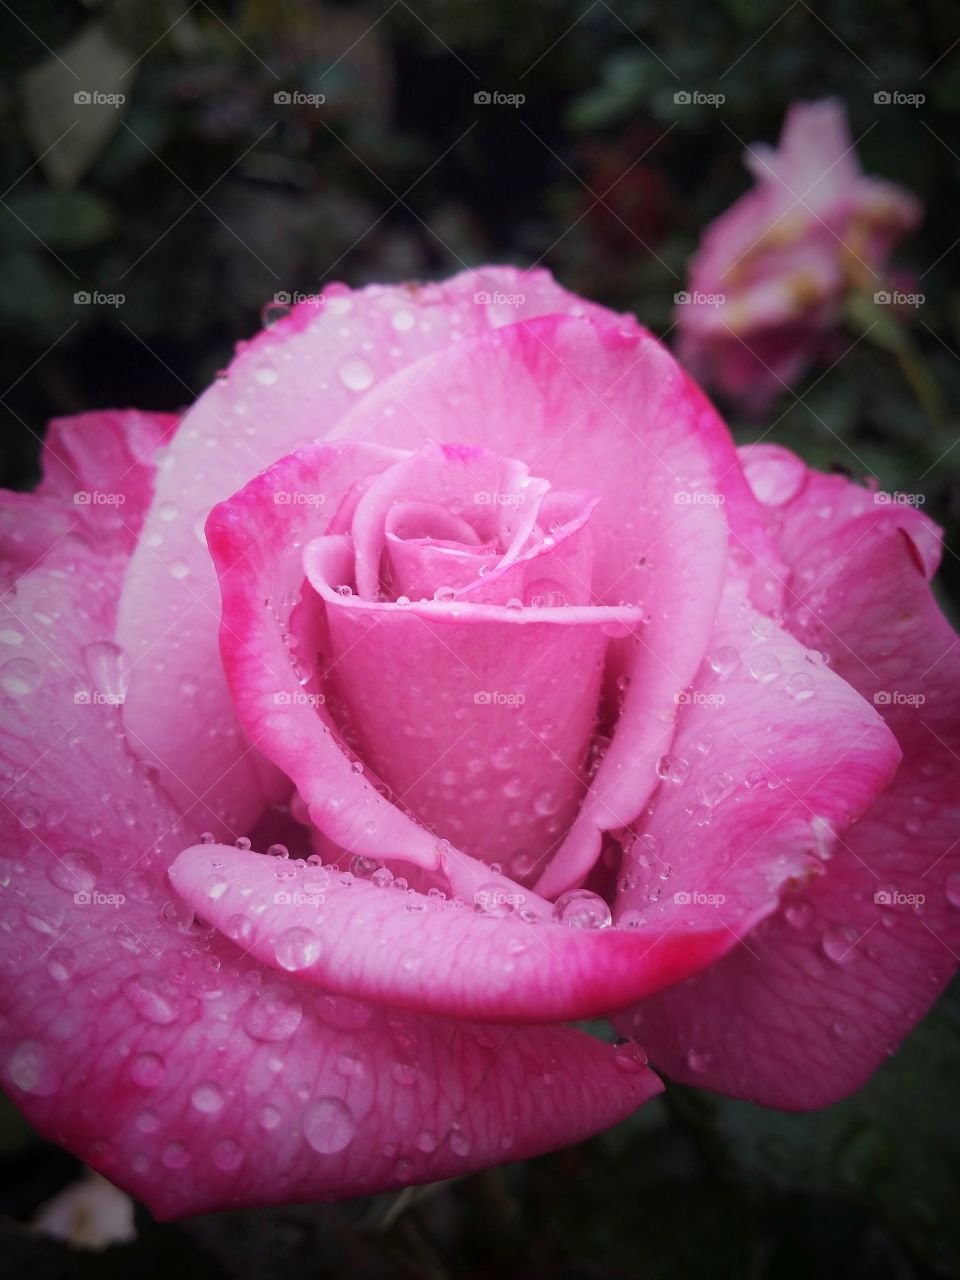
177,1068
98,481
286,388
403,949
809,1006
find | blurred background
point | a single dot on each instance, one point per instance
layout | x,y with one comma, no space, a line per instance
144,233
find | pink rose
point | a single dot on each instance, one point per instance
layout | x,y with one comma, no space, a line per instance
771,274
569,710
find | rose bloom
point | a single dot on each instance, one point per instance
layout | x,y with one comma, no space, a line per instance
562,707
768,282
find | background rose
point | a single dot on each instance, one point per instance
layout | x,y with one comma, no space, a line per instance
770,278
193,1075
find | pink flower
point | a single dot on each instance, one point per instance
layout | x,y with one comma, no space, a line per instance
771,274
567,709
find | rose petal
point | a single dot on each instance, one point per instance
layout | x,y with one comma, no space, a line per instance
410,951
810,1005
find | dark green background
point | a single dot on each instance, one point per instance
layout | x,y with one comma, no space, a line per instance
606,180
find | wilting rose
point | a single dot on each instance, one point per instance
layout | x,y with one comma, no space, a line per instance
563,708
771,274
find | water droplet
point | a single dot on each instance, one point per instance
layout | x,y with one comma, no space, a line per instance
207,1097
148,1070
800,686
699,1061
581,909
402,320
356,375
724,660
227,1155
175,1155
273,1015
329,1126
30,1069
952,888
20,676
297,948
765,667
265,374
839,943
154,998
798,914
716,789
629,1056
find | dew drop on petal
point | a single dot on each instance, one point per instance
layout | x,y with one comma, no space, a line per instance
581,909
297,948
629,1056
329,1126
207,1097
273,1015
20,676
356,375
